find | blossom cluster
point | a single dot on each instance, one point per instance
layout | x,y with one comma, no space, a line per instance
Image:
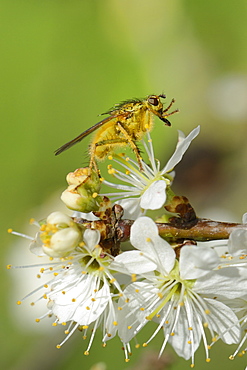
191,291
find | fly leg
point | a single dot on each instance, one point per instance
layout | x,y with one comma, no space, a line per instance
112,143
93,163
94,146
132,144
164,114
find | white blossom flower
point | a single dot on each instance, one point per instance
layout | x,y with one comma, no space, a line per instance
146,189
178,294
82,289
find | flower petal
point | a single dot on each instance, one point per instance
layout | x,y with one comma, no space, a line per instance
155,196
196,261
145,237
223,321
132,262
237,242
91,238
229,282
131,317
182,146
131,207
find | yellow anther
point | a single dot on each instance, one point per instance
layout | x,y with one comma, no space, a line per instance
10,231
133,277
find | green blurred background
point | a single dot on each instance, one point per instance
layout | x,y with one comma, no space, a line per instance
65,62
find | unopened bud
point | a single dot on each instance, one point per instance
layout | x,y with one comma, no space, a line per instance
82,192
59,235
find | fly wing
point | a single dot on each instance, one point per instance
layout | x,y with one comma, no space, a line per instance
83,134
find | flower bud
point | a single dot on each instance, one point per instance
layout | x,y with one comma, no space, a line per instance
77,177
82,192
59,235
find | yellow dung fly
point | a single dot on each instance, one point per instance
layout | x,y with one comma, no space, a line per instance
126,124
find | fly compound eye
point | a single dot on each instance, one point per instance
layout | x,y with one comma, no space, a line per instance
153,100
